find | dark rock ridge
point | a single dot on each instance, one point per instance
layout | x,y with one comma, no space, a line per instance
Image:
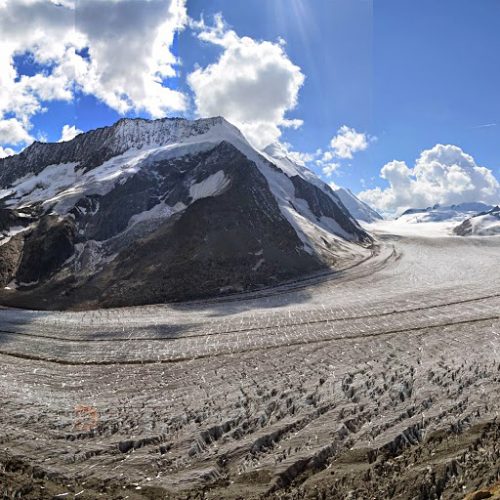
147,211
483,224
324,204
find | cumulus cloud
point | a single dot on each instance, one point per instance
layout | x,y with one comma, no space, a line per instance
443,174
129,53
253,83
298,157
12,131
118,51
343,146
347,142
69,132
43,31
329,168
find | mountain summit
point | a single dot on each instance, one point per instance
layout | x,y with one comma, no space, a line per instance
148,211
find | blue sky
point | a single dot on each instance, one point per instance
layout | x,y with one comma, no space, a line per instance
409,75
436,78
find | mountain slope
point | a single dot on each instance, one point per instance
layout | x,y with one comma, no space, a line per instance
482,224
149,211
357,208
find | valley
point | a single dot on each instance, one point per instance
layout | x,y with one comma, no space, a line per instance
330,387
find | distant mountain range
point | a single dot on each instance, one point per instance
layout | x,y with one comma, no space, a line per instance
149,211
466,219
439,213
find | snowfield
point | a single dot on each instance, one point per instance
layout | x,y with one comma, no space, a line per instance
412,228
380,381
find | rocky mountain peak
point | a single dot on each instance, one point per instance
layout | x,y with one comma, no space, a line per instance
92,148
147,211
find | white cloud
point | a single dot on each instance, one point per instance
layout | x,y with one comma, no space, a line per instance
443,174
12,131
486,125
43,32
69,132
298,156
4,152
253,83
118,51
343,145
330,168
129,46
347,142
327,156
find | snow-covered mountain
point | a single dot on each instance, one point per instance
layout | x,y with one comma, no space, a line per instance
357,208
482,224
153,210
438,213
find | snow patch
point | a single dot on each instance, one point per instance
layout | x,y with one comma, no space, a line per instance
258,265
6,236
211,186
160,211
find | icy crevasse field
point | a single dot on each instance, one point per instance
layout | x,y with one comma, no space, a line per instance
378,382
